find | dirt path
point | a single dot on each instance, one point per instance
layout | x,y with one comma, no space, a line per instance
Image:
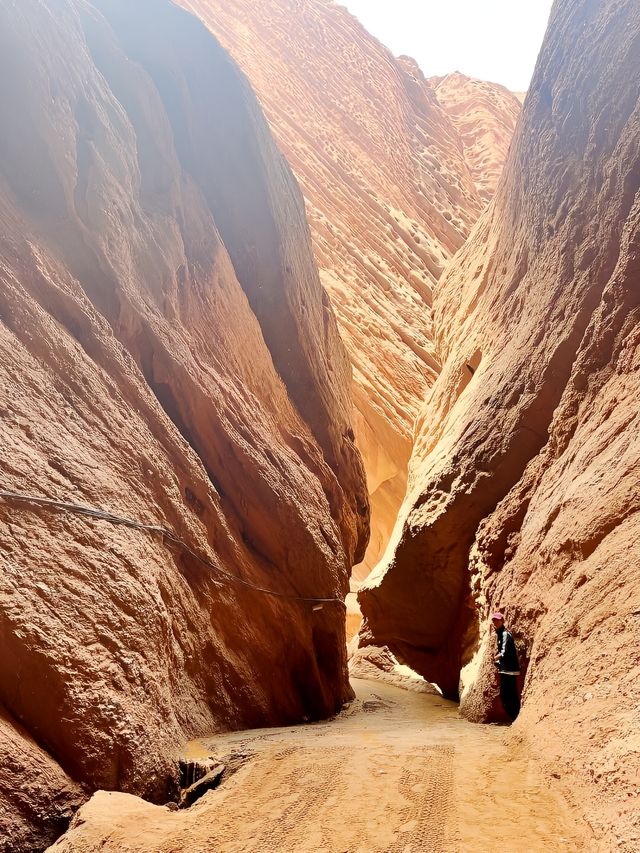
397,772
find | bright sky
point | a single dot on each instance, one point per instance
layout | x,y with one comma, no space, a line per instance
496,40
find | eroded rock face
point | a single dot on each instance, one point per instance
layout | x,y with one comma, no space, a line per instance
168,354
525,483
485,115
390,197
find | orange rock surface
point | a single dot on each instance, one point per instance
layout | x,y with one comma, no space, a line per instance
390,198
485,115
525,482
167,354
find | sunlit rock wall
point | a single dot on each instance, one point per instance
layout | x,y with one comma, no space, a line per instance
525,481
485,115
390,196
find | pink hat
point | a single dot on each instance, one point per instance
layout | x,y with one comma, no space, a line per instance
497,615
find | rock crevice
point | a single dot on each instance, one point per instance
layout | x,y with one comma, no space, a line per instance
390,197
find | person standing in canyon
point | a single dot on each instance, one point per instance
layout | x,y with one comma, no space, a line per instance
506,660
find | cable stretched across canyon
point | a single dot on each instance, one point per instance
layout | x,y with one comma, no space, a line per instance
165,532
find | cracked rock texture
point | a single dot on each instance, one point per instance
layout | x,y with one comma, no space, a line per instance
391,195
168,354
524,488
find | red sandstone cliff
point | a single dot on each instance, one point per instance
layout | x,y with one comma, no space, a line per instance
390,198
167,354
525,481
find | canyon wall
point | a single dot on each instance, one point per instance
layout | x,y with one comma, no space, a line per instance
168,355
390,197
524,488
485,115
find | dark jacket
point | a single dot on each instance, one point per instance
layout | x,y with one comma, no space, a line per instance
508,654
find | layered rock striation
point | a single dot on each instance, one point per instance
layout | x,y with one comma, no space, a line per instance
168,355
485,115
390,197
525,480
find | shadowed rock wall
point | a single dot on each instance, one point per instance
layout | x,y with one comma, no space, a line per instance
168,354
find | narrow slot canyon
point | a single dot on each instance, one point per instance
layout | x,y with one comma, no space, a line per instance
310,362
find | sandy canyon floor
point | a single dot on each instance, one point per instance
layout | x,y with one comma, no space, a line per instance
396,771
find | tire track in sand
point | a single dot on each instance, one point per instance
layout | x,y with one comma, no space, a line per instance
396,772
